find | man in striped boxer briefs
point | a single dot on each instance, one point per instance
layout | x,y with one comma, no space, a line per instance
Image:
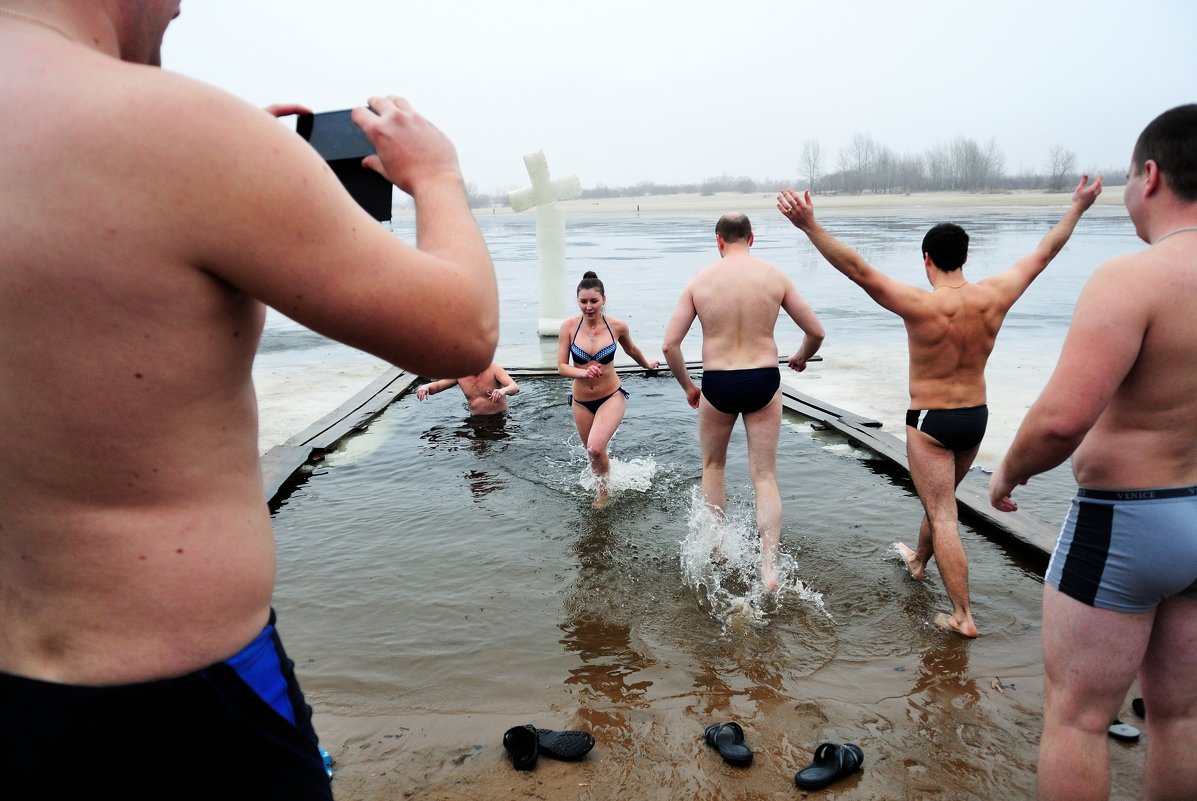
1120,596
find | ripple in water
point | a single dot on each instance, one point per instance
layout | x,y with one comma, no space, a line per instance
729,587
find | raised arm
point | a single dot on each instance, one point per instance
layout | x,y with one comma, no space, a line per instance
267,216
1103,341
1013,282
804,317
895,296
675,331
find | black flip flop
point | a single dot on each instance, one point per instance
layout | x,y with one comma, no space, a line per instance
565,745
521,745
1139,708
832,762
1123,732
728,739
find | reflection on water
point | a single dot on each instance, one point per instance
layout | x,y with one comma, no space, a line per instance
481,434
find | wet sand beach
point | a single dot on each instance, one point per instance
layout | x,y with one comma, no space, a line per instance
936,716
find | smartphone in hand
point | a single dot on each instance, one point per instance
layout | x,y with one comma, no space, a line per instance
343,145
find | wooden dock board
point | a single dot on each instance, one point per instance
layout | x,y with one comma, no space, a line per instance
282,462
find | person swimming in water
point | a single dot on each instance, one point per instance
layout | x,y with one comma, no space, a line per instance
598,400
486,392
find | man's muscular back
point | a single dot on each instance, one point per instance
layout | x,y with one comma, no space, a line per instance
951,336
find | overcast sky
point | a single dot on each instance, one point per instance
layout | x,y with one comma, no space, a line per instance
618,92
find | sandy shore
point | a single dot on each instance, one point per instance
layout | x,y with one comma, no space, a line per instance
882,204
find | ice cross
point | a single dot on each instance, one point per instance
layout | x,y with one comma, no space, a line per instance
550,236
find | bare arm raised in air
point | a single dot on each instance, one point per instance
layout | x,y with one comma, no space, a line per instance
902,299
1014,281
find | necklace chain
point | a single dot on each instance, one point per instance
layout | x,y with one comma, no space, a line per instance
36,21
1174,233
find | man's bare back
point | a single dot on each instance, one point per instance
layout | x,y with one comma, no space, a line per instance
146,219
737,301
950,338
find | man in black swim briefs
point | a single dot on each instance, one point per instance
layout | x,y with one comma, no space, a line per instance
737,300
1120,594
950,333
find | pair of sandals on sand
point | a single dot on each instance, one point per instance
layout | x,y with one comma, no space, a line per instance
831,762
526,743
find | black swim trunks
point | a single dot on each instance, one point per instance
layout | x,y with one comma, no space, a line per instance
209,734
958,430
740,391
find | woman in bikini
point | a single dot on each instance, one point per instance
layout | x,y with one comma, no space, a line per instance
598,401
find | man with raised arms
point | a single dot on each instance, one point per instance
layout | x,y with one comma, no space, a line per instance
148,220
486,393
737,300
1120,594
950,333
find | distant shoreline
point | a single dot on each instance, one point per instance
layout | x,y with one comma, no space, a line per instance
728,201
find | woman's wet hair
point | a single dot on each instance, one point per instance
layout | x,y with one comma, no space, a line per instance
947,245
590,280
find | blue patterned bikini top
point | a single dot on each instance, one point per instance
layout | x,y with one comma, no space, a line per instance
604,356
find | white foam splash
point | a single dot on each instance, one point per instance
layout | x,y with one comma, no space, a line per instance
721,563
634,475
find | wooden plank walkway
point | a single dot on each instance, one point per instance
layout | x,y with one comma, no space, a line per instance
282,465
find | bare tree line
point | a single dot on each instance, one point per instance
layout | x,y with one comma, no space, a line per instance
961,165
865,165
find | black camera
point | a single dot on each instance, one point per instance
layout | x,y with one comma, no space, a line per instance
342,144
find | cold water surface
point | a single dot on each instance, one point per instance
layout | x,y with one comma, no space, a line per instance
442,569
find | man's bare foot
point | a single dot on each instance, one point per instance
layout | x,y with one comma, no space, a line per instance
601,501
718,557
769,575
917,569
949,624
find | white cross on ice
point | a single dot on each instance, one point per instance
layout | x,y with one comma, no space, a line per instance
550,235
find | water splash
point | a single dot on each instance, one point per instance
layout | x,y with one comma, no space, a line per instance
634,475
721,563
